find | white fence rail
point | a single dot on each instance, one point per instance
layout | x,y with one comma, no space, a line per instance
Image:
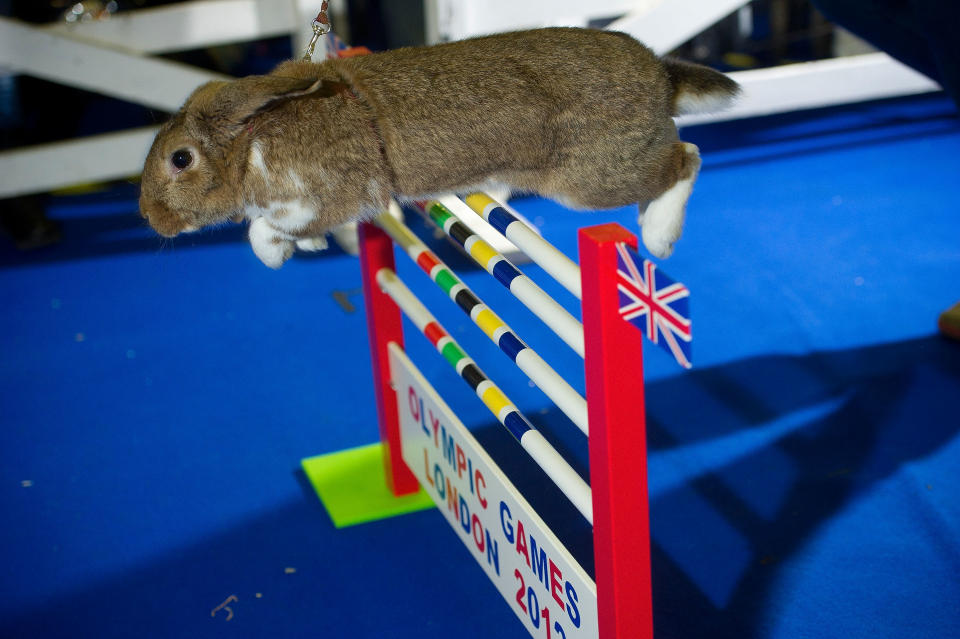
112,57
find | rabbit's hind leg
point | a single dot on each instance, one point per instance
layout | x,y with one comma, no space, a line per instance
661,220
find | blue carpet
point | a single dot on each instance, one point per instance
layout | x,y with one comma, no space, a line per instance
156,398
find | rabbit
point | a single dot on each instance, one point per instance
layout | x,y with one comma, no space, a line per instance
582,116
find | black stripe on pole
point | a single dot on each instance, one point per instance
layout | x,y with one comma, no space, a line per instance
466,300
472,375
460,232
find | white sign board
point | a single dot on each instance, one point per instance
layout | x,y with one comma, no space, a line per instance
544,585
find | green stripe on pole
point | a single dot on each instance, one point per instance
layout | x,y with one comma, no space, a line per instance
452,353
446,280
439,213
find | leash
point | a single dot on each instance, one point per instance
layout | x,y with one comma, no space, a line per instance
321,27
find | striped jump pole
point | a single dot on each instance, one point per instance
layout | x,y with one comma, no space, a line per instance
565,325
527,360
558,265
532,441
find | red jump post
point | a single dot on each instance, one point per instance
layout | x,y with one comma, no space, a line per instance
384,325
618,448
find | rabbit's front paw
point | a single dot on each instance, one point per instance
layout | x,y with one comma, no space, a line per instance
313,244
273,247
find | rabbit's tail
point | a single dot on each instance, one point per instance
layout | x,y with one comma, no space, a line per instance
699,89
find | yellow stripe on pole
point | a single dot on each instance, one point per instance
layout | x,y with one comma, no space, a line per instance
479,201
488,321
482,252
495,400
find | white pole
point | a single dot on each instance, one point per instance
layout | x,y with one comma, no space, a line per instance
558,265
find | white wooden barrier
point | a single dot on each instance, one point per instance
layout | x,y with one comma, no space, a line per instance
110,57
663,25
811,85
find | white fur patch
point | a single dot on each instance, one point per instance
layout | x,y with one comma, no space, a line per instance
373,189
662,222
312,244
252,212
273,247
292,215
688,102
295,180
256,160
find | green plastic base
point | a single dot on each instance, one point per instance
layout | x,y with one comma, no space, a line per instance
352,486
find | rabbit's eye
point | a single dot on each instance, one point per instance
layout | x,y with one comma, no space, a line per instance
181,159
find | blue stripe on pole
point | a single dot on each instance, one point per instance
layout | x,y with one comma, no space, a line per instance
505,272
516,424
499,218
510,345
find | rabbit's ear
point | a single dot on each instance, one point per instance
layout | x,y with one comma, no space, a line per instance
241,99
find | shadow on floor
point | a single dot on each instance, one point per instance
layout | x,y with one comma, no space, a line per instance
748,460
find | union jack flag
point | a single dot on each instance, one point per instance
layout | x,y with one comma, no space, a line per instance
653,302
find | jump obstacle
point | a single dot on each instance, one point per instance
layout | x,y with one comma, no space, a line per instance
427,454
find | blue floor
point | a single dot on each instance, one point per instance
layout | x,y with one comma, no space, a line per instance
156,398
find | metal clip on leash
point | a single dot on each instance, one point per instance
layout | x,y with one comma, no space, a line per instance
321,26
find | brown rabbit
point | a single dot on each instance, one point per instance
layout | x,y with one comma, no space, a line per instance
581,116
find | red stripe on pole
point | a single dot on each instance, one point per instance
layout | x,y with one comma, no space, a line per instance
427,260
434,332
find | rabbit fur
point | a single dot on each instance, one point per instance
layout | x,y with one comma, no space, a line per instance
578,115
